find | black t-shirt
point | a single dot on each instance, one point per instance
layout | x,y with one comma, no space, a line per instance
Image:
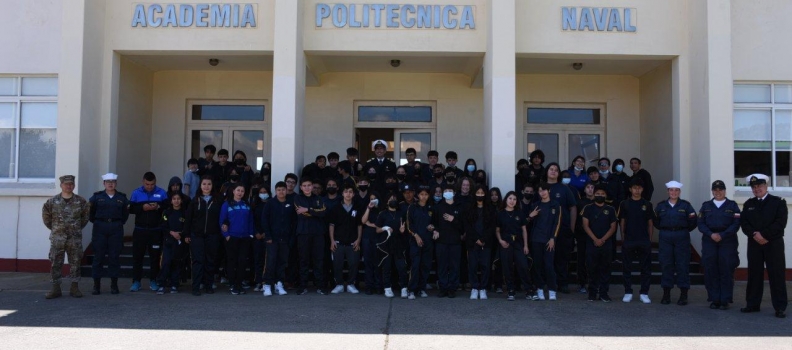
636,213
510,224
345,223
548,222
599,218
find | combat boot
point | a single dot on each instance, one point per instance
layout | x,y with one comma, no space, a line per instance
666,296
97,288
55,292
74,291
683,297
114,286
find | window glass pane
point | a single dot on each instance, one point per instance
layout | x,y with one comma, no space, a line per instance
8,87
752,129
783,93
252,143
548,143
394,114
750,162
563,116
7,116
40,86
783,134
752,93
7,152
586,145
39,115
37,153
420,141
203,138
220,112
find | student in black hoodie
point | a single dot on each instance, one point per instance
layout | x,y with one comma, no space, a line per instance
203,229
175,189
479,230
173,246
278,221
259,199
448,242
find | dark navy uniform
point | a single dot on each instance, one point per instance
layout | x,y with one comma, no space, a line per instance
675,223
418,219
567,198
767,216
108,216
449,245
720,258
547,225
637,244
598,259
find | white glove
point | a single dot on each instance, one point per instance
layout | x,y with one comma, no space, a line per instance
387,228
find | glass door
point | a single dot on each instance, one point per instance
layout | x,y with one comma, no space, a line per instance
422,140
564,145
233,138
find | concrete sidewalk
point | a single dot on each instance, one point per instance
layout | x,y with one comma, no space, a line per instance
146,320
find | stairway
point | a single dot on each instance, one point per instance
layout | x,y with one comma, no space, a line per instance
125,259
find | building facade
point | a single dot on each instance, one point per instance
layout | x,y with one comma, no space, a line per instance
699,90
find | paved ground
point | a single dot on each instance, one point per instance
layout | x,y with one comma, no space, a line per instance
144,320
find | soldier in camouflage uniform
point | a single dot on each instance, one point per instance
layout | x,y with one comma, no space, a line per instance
65,215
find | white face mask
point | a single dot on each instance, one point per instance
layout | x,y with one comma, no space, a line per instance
578,169
566,181
448,195
264,196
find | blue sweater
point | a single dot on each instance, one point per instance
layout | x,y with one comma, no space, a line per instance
239,218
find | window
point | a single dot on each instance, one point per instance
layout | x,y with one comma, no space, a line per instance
565,131
763,132
28,128
228,112
394,114
563,116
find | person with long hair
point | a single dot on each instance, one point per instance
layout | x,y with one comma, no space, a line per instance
448,242
421,227
546,217
202,228
370,251
236,223
470,168
391,243
564,241
512,236
479,221
258,199
577,171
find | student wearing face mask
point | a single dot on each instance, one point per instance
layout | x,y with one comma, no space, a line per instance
613,184
470,168
373,277
420,225
392,241
581,236
564,243
438,172
391,184
191,179
599,224
244,170
480,178
577,173
364,189
448,242
450,177
480,218
523,175
401,175
437,194
331,199
258,203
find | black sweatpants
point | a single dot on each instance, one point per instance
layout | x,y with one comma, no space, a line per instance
237,253
143,241
311,248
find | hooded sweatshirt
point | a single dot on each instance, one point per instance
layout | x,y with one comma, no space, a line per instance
185,198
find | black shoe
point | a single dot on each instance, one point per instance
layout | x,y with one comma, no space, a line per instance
303,292
114,286
196,292
715,306
442,294
320,291
452,294
666,296
592,296
606,298
96,287
683,297
209,290
780,314
369,291
564,289
748,309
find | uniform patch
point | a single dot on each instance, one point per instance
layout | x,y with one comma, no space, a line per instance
606,212
552,211
643,207
558,195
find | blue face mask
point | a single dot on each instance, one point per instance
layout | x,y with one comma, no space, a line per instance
448,195
264,196
619,168
471,168
437,198
566,181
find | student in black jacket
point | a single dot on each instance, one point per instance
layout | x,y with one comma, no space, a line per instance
202,227
310,235
479,220
512,236
173,246
448,242
345,236
391,243
258,198
278,221
420,225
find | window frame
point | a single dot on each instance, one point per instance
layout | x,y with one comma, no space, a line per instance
564,130
394,125
772,106
18,100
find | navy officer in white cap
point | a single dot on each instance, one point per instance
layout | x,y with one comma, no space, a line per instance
675,219
109,212
763,220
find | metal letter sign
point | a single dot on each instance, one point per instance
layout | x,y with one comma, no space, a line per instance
194,15
604,19
395,16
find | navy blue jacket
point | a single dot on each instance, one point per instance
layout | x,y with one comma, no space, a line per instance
104,208
148,220
311,222
418,218
724,220
680,217
450,231
278,220
173,220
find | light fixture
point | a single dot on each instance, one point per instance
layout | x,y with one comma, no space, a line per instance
395,63
214,62
577,66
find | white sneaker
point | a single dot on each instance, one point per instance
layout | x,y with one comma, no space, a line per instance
411,296
351,289
645,299
338,289
540,293
474,294
483,294
279,289
258,288
627,298
267,290
405,293
388,293
552,295
423,294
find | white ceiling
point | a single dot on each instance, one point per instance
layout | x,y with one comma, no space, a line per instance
541,65
201,62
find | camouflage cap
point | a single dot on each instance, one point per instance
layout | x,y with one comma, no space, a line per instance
67,179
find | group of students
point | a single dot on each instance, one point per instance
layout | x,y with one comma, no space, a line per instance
402,219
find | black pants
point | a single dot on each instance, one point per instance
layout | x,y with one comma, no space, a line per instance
478,259
598,261
146,241
259,259
772,256
173,254
544,264
237,252
311,249
277,258
449,257
581,243
421,258
496,269
396,259
371,261
345,252
564,245
107,240
204,259
641,252
514,258
293,266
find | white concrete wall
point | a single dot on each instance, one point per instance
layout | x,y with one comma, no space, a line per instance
655,128
170,93
329,109
30,36
134,140
760,40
